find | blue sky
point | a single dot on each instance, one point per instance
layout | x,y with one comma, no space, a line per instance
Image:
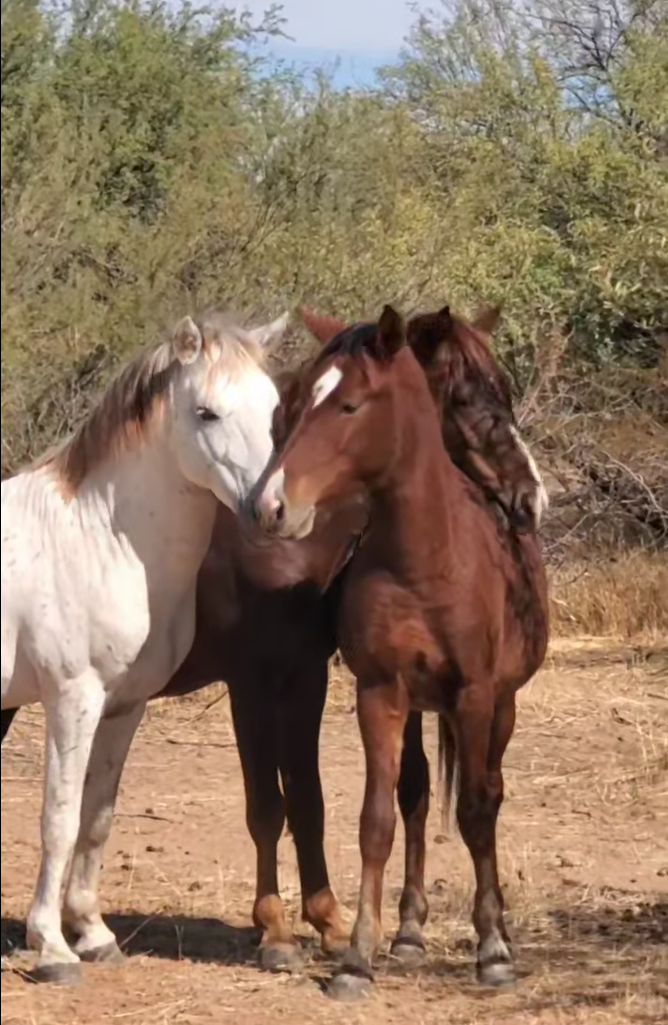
361,34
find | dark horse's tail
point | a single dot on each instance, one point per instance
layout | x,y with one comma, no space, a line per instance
6,717
448,771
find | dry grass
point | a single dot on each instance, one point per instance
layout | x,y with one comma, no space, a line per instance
624,596
583,847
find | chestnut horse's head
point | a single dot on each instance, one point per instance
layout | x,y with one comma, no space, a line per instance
478,422
347,394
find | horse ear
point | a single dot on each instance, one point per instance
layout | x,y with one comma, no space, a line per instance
268,334
186,341
487,320
390,333
427,332
323,328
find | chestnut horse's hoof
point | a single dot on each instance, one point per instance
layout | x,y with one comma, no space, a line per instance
280,957
410,953
60,973
497,974
335,946
347,987
110,954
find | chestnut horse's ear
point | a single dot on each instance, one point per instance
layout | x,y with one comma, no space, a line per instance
323,328
390,333
487,320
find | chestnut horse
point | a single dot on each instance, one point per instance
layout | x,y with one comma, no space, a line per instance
442,608
277,674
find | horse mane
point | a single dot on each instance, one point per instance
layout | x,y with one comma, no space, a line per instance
136,399
457,356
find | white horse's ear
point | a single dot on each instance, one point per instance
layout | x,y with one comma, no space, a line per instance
187,341
269,334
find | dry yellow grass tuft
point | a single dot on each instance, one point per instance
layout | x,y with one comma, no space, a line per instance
624,596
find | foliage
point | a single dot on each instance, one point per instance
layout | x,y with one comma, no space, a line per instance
517,152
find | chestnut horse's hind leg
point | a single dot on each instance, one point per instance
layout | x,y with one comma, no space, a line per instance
300,715
413,793
253,712
481,742
382,711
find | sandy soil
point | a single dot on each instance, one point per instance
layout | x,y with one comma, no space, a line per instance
583,848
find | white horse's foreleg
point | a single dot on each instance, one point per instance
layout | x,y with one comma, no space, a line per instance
73,713
81,910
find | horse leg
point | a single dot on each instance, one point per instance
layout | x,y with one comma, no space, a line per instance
382,711
300,715
482,739
6,720
254,718
72,717
413,793
81,909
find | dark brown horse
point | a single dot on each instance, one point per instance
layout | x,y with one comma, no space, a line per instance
266,625
442,609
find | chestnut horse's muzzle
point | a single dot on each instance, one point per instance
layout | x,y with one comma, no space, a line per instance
273,513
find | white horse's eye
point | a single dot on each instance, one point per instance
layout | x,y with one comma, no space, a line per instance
206,414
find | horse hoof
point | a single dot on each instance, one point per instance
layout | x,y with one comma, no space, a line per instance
410,955
497,974
348,988
335,946
64,973
280,957
110,954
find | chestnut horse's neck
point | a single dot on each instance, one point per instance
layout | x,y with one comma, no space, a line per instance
413,505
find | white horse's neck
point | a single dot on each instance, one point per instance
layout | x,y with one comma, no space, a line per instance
138,506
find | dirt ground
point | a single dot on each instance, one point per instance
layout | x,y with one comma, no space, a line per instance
583,842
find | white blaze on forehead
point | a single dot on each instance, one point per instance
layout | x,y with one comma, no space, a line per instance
325,385
542,500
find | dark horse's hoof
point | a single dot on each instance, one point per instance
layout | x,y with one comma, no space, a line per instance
347,987
411,954
497,974
58,974
110,954
280,957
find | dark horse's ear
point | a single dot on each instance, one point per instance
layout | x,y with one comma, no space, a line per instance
487,320
390,334
323,328
427,332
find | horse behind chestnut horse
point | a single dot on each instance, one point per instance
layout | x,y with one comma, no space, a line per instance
443,608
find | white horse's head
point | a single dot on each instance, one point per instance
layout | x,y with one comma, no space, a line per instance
223,404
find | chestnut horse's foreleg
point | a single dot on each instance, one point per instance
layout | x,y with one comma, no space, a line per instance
299,716
482,738
413,793
253,713
382,711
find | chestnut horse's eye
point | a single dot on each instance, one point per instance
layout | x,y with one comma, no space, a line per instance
207,415
349,408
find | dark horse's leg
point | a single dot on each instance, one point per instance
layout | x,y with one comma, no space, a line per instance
413,794
6,720
254,715
382,711
482,738
300,711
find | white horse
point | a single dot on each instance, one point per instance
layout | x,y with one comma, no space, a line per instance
101,545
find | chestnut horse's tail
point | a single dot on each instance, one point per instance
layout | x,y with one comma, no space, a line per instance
448,772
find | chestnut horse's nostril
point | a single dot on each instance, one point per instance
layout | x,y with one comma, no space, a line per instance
279,512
